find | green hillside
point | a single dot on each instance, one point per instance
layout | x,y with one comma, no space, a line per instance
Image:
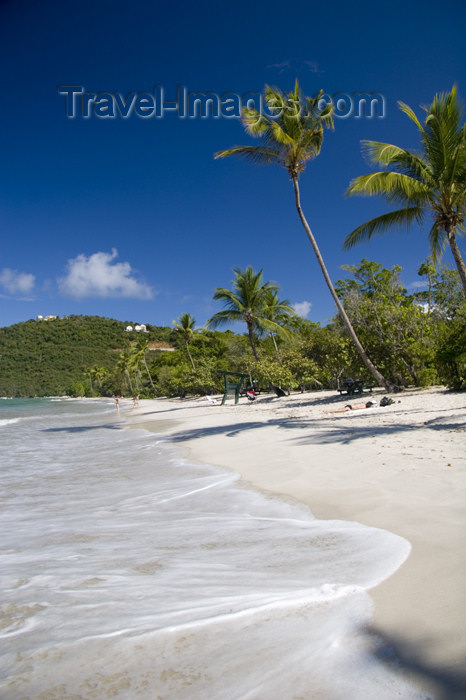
44,358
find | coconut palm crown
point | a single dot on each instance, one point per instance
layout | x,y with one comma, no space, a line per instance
293,133
185,325
247,303
430,185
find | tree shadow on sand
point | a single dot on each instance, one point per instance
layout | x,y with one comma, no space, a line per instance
79,428
407,657
321,431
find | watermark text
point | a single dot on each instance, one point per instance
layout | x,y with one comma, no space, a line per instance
186,104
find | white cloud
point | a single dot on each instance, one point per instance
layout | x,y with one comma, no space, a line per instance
296,66
99,276
302,308
313,66
424,307
16,282
416,285
283,66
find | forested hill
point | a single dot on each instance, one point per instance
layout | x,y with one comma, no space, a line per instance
47,357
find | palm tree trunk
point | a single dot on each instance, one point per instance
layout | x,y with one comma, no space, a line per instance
457,256
147,370
251,340
129,380
276,348
370,366
190,358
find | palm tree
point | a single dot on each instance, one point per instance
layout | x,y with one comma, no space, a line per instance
246,304
292,137
124,364
279,311
139,356
99,373
429,184
185,325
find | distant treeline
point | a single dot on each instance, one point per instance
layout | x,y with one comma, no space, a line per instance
44,358
414,338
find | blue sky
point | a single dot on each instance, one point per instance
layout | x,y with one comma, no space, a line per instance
132,217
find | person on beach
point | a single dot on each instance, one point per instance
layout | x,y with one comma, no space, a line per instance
353,407
136,402
117,402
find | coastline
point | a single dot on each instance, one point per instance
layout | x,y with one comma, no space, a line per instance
401,468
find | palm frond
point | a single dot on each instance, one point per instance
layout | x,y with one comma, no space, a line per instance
380,224
437,241
394,187
259,155
311,142
265,324
411,114
381,153
221,318
227,296
405,162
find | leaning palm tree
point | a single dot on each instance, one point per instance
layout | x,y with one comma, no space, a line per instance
428,185
291,137
185,325
246,304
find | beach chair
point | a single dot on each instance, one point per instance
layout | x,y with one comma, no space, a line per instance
233,383
354,386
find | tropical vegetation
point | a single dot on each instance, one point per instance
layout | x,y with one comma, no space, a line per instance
418,338
429,186
253,302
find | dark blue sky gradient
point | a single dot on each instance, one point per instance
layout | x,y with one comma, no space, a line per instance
150,188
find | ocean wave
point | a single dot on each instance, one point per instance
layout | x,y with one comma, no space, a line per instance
7,421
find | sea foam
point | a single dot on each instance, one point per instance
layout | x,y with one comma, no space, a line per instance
129,572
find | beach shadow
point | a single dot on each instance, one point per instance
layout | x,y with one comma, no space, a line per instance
406,657
324,431
436,424
79,428
227,430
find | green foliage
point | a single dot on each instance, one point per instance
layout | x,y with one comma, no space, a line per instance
185,326
418,338
444,297
76,354
429,185
391,324
269,372
39,358
332,352
304,371
182,380
252,302
451,355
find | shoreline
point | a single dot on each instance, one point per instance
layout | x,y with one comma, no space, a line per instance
401,468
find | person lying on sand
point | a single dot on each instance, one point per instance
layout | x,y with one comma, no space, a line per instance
353,407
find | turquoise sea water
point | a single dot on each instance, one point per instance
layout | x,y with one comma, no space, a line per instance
128,572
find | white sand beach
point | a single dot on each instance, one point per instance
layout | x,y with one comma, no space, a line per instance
401,468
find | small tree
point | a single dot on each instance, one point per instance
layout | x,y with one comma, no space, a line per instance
246,303
185,326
